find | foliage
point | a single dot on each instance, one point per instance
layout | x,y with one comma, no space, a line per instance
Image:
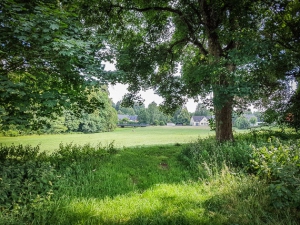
201,110
26,178
206,155
292,112
49,61
30,178
279,164
242,123
253,120
212,124
181,116
102,119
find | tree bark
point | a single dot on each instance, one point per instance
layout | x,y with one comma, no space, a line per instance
223,103
223,120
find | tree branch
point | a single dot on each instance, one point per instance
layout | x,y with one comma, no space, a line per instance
190,28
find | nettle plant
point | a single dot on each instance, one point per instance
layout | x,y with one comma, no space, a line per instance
279,164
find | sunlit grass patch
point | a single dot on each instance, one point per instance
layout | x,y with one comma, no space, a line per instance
161,203
225,199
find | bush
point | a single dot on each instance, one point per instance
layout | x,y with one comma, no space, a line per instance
29,178
26,178
279,164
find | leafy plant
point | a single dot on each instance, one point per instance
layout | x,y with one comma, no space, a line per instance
26,177
279,164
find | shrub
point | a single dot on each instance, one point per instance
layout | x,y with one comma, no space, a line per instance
279,164
26,178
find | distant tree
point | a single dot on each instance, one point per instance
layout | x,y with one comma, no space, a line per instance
71,121
138,107
182,116
90,123
201,110
153,112
127,111
118,105
143,116
102,119
258,115
156,123
253,120
162,123
242,123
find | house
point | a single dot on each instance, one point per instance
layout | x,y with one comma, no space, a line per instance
171,124
199,121
133,118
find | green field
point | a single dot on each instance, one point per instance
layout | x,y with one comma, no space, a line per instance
122,137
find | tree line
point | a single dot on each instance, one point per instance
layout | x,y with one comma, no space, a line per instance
152,114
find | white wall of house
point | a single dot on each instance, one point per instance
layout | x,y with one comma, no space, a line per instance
202,122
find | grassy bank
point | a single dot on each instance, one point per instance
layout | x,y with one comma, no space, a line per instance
198,183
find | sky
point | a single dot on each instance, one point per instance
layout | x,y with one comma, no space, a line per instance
117,91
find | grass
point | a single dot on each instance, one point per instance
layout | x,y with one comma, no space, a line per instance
142,136
138,185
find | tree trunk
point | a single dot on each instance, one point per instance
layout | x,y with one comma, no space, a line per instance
223,119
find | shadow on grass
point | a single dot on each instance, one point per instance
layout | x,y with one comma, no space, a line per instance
127,171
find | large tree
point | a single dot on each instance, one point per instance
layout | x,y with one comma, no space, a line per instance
217,44
48,60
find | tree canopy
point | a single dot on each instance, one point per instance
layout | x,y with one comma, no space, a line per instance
234,50
48,60
220,47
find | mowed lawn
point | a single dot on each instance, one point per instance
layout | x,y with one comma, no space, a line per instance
122,137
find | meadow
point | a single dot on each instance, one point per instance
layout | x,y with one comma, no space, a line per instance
200,182
122,137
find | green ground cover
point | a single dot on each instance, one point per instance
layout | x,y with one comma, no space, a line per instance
197,183
142,136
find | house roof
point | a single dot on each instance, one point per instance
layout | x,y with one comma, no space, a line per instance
198,118
131,118
120,117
